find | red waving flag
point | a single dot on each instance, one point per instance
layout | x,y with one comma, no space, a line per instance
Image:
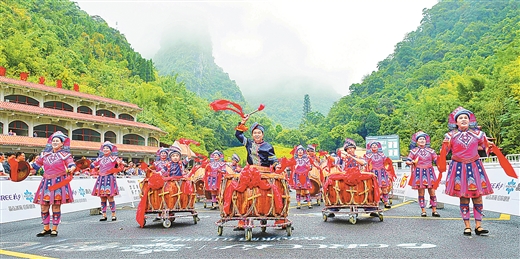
222,105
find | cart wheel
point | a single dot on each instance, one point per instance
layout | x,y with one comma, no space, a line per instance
205,205
167,223
220,229
325,217
380,217
352,220
195,219
289,230
249,234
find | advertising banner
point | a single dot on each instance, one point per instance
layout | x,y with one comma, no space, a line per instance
16,197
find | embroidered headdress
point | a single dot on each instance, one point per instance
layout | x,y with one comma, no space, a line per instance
452,119
416,136
64,139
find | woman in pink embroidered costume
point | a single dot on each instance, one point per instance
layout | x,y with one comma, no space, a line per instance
423,177
162,161
300,176
466,177
350,159
347,160
106,188
377,161
58,162
214,171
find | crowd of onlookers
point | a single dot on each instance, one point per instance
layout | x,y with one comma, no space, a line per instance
131,169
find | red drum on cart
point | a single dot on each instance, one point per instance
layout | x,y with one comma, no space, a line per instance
266,196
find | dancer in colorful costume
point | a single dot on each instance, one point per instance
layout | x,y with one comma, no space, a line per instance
422,175
54,189
349,160
382,167
235,159
106,188
466,178
177,165
260,154
214,171
162,161
301,165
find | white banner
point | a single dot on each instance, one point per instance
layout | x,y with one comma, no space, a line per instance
16,197
506,198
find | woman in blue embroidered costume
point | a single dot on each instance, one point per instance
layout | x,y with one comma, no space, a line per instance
422,176
58,162
466,177
106,184
259,153
214,171
177,165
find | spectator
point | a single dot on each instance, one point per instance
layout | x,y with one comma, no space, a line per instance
2,159
6,166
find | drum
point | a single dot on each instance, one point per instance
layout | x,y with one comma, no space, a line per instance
173,195
338,192
178,194
198,180
154,200
267,196
314,175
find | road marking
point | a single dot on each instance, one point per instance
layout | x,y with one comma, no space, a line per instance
504,217
23,255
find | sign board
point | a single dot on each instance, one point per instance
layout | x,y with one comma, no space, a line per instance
390,144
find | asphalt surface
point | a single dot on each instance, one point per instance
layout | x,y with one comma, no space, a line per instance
401,234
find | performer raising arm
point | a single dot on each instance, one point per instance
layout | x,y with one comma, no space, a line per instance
58,162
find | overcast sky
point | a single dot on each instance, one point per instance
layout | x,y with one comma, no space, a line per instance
332,42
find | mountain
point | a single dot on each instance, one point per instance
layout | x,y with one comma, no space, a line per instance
464,53
187,52
285,98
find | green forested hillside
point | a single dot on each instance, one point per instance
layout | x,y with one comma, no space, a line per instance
57,40
464,53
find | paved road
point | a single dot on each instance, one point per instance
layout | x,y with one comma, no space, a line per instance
402,234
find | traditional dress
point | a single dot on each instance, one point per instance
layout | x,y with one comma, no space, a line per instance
376,162
235,166
466,177
300,169
106,183
422,172
56,165
162,162
176,168
260,154
214,171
